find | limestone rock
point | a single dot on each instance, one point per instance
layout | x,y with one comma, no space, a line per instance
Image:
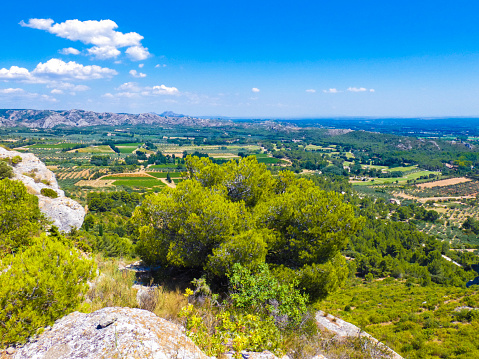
112,333
63,211
344,329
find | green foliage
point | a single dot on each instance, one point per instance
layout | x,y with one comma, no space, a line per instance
182,226
48,192
41,284
247,248
16,160
260,292
20,217
122,201
417,322
242,332
239,213
5,170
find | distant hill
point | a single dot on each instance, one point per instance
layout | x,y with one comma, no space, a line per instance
81,118
171,114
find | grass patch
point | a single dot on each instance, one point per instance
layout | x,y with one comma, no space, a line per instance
164,174
138,182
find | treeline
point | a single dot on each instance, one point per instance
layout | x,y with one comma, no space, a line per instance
389,244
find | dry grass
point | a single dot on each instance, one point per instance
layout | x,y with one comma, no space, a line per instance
442,183
114,288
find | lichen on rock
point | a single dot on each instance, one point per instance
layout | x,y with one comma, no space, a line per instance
112,333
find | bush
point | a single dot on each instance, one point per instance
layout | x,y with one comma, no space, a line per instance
48,192
45,282
16,160
260,292
5,170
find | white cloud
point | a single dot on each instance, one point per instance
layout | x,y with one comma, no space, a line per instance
12,90
56,68
56,92
129,86
69,51
16,93
14,73
254,89
160,65
132,89
137,74
357,89
101,34
164,90
141,65
40,24
372,90
68,86
311,90
137,53
333,90
104,52
56,71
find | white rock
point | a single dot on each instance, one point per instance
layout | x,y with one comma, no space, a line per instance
64,212
124,333
344,329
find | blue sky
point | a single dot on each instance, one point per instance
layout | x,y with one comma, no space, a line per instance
261,59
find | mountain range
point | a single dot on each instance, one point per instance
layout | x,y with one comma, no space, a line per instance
81,118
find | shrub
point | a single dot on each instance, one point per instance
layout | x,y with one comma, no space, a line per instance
45,282
240,331
16,160
20,216
260,292
5,170
48,192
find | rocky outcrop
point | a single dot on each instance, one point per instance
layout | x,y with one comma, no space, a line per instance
80,118
343,329
112,333
64,212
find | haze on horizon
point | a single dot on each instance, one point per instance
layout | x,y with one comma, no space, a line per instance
249,59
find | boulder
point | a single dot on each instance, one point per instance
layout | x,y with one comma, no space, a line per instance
64,212
112,333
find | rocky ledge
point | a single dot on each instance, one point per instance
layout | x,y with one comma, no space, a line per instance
112,333
64,212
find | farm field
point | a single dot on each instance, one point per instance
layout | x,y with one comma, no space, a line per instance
454,187
94,149
165,174
135,181
443,183
400,180
54,146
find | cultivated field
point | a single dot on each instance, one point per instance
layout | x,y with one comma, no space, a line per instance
442,183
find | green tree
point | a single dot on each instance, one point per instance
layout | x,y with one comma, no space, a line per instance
239,213
20,217
182,226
